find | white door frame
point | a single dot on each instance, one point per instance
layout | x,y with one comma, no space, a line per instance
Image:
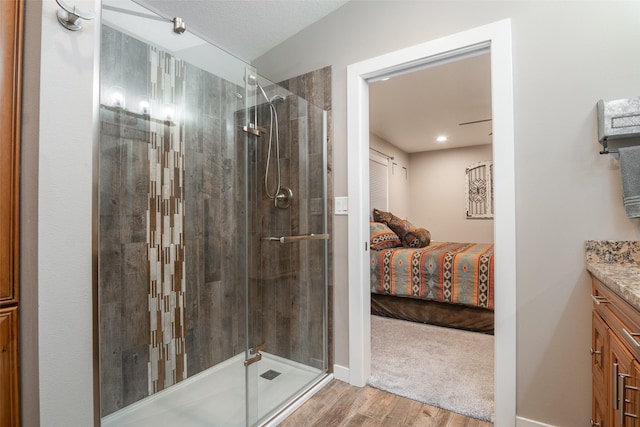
498,37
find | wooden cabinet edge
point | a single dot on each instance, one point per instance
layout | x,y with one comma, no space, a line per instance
11,130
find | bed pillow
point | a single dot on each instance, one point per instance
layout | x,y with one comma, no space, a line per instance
416,238
398,225
382,237
410,236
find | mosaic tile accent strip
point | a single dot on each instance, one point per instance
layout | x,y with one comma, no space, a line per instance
165,222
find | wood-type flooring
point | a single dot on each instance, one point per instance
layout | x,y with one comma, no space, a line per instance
341,404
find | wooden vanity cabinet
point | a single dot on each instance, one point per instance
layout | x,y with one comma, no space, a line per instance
615,356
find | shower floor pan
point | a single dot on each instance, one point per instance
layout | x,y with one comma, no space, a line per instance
216,397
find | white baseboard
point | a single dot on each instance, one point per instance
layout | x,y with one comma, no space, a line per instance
341,373
525,422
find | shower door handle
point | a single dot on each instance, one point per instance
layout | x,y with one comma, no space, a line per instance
254,359
297,238
259,348
255,352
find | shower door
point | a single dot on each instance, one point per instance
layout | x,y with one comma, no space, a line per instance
287,286
172,225
204,319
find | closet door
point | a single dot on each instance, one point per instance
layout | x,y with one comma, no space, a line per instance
378,182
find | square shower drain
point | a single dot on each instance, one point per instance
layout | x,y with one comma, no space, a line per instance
270,374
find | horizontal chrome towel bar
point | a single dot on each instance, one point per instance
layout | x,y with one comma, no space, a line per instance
291,239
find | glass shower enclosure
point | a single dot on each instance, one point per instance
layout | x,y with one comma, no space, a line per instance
212,232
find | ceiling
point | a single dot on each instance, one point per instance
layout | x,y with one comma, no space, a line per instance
410,111
245,28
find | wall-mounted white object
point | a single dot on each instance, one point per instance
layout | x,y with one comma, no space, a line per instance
341,205
479,190
70,16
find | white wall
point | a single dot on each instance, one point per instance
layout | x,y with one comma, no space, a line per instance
436,186
398,182
57,195
566,55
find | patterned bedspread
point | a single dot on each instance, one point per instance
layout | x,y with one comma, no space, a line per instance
458,273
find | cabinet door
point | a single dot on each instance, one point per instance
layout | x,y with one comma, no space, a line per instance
599,409
632,396
622,393
10,51
9,412
599,353
601,374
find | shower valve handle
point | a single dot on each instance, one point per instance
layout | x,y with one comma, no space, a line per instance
254,130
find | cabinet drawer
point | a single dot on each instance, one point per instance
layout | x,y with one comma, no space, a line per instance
619,315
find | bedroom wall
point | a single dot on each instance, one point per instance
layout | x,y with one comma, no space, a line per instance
566,56
437,182
398,180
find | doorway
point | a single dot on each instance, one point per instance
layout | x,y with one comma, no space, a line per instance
497,37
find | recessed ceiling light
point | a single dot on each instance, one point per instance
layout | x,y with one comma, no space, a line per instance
441,138
385,79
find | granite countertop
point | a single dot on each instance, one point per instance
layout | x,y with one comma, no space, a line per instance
617,265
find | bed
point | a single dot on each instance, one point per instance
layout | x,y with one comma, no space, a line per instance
442,283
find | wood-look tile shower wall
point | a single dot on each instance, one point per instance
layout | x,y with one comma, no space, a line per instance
203,315
315,87
287,295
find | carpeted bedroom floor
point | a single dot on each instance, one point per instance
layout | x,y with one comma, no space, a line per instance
443,367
